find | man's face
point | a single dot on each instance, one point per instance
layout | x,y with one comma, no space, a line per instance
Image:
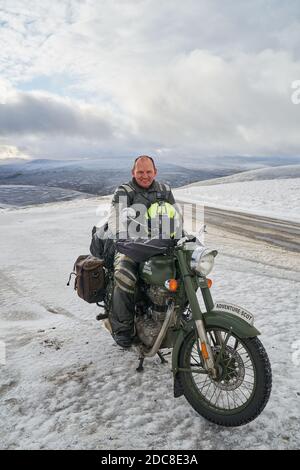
144,172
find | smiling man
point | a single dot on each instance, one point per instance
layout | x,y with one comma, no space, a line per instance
142,191
144,171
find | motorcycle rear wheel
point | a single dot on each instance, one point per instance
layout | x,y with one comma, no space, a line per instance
244,383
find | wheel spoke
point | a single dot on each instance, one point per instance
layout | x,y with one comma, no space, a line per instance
206,385
213,340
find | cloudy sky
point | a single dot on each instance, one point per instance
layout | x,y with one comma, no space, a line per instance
173,78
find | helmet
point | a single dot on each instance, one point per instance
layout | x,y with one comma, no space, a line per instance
162,219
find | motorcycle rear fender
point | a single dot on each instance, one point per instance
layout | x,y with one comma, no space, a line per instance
214,318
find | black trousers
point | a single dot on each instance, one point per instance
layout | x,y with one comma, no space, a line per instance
125,276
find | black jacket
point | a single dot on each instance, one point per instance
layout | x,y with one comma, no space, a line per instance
126,195
134,194
130,194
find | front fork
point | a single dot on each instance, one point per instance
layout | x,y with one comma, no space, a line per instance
206,350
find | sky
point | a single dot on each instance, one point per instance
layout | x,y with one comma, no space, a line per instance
173,79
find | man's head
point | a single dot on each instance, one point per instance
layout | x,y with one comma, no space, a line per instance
144,171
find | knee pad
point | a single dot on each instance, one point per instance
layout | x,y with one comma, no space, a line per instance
125,279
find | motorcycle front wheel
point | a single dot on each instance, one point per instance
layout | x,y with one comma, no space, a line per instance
243,385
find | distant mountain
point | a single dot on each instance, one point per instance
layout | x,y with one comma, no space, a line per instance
99,177
237,163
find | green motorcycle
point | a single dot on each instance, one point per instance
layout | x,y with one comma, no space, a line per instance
218,362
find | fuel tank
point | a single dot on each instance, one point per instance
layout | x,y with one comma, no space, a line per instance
158,270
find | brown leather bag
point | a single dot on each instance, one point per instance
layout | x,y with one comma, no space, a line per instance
90,278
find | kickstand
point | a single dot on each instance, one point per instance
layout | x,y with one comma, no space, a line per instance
140,367
161,357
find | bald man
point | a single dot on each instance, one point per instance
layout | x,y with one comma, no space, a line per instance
144,190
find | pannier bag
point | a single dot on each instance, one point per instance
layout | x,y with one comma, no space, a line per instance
90,278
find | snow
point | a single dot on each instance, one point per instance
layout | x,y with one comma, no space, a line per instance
269,173
279,198
12,195
66,385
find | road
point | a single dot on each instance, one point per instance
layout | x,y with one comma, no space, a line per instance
278,232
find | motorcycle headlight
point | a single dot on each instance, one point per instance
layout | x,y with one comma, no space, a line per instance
202,260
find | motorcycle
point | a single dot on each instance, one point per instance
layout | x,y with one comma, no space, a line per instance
218,362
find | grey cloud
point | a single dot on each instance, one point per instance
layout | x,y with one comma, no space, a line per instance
36,114
222,27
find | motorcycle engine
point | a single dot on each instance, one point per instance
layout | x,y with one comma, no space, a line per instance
149,324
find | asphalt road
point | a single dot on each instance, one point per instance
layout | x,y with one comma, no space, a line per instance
278,232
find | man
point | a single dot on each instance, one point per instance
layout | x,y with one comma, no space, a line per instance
142,191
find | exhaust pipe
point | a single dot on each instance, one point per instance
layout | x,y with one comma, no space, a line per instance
161,334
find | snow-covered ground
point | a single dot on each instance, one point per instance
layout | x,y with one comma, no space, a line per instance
13,195
272,197
268,173
67,385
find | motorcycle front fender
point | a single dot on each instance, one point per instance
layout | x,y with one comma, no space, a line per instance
228,321
214,319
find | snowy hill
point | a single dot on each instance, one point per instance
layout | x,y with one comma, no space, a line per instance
270,173
273,192
22,195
